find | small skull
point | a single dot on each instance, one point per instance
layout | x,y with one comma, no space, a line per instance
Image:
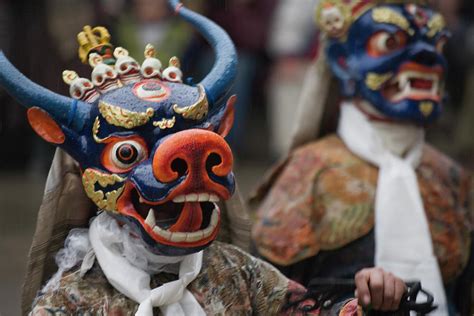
127,68
172,73
151,67
80,88
83,89
420,16
332,20
103,76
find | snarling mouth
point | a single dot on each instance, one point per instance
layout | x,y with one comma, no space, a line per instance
189,220
415,82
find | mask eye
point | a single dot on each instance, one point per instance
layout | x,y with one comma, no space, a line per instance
384,43
122,156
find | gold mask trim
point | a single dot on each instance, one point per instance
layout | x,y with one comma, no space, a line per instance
198,110
117,116
108,201
387,15
375,81
165,123
435,25
426,108
95,132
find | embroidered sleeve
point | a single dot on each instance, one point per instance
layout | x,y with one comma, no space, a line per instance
273,294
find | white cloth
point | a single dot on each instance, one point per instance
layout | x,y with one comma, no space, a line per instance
172,298
403,242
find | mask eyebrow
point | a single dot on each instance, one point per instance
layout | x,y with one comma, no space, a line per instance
389,16
435,25
117,116
108,138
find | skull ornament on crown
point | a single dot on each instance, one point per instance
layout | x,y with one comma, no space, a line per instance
388,53
151,66
151,148
127,68
104,76
80,88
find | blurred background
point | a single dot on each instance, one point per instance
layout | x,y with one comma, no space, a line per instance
276,40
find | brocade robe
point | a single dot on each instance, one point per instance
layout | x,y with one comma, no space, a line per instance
316,214
231,282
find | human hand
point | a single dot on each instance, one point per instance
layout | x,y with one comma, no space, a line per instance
379,289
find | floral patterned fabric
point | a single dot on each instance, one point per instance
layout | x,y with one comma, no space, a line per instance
231,282
322,200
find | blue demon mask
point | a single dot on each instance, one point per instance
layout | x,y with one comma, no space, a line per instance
150,147
387,54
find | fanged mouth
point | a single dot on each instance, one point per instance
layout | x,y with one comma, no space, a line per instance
414,85
189,220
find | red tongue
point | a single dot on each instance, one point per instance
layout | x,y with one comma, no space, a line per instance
190,219
421,84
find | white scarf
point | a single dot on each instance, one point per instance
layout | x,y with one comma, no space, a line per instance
403,243
172,298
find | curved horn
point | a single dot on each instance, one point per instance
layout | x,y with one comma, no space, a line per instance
218,82
67,111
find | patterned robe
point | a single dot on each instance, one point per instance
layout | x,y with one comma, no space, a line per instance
231,282
316,216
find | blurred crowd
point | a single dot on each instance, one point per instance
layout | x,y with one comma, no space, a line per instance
276,41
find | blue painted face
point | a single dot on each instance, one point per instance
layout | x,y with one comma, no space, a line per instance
153,148
392,58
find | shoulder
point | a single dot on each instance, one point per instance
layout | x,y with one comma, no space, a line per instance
311,157
74,293
439,174
443,165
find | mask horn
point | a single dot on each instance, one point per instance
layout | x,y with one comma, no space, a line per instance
66,111
219,81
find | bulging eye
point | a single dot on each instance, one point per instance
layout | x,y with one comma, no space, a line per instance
125,154
121,156
384,43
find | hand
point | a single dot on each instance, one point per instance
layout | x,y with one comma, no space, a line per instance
378,288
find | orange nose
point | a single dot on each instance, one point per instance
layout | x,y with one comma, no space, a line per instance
195,153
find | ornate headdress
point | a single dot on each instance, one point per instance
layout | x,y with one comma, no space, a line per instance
114,68
334,17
